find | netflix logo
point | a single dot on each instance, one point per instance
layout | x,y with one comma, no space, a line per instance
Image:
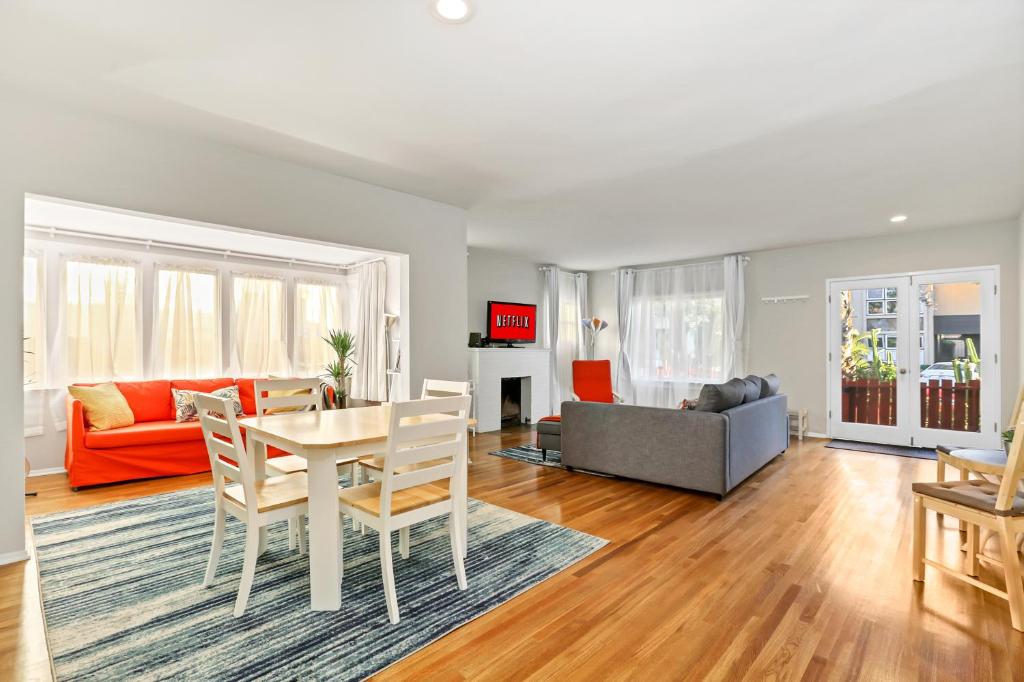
521,321
511,322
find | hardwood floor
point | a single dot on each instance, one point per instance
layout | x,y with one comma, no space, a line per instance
801,573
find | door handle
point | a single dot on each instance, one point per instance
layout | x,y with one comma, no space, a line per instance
903,370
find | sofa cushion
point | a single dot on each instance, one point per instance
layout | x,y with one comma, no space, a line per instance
103,405
976,494
247,395
772,383
186,410
150,401
752,392
146,433
718,397
202,385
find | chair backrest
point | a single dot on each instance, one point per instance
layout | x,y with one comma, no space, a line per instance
1014,472
1016,407
430,430
224,444
592,380
439,388
293,395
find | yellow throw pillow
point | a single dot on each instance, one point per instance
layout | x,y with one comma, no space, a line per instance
281,394
104,406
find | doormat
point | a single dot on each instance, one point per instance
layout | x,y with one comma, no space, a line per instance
878,448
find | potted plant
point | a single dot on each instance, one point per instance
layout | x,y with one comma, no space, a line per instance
1008,439
339,370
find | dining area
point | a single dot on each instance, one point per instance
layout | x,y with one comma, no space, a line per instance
380,468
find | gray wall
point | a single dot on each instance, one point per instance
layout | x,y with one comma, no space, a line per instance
54,150
789,339
498,276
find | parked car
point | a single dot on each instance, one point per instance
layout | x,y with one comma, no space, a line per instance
939,371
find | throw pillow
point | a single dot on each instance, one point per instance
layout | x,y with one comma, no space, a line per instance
104,406
752,392
773,384
281,394
719,397
185,409
761,385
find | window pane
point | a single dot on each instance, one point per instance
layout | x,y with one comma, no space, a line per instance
186,338
259,338
101,327
317,311
34,321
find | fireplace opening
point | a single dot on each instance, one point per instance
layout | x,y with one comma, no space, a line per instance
511,400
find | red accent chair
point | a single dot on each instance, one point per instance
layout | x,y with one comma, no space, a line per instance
592,381
155,445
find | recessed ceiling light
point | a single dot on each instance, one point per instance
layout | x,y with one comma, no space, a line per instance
451,11
898,219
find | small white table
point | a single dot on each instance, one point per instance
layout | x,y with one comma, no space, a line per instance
323,437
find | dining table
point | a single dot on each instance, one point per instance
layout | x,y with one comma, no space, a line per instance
323,438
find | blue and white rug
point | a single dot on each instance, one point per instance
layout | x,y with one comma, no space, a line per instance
532,455
123,596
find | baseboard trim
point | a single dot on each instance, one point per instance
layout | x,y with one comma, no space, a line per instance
47,472
814,434
13,557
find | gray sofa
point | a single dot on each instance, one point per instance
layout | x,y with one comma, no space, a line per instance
709,451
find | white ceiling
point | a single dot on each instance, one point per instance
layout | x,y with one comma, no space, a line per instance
590,133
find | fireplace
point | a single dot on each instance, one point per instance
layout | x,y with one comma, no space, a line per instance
511,400
488,367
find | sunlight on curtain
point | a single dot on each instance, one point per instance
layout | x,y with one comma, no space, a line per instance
568,343
369,381
677,332
186,331
318,309
101,321
258,327
34,322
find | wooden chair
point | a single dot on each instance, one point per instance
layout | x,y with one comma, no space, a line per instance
293,395
256,503
424,462
974,460
997,507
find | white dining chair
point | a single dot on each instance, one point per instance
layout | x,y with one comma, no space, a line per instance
255,503
292,395
422,466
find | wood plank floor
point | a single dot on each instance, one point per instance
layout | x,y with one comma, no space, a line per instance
801,573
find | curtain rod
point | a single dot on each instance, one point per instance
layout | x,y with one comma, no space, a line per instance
613,273
52,231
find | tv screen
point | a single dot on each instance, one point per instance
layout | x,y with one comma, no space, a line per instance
511,322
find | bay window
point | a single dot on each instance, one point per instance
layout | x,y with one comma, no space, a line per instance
186,329
318,309
258,340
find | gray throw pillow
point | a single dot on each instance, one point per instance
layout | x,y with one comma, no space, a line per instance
772,382
753,390
718,397
762,389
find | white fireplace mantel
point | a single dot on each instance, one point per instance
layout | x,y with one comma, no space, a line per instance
488,366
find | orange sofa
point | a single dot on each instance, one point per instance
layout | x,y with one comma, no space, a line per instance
155,445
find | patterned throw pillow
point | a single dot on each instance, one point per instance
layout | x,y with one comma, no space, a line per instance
185,409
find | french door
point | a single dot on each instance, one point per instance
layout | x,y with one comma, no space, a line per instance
913,359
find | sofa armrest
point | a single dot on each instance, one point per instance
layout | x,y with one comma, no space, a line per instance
758,432
75,430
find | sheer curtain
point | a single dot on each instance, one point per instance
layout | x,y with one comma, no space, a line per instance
734,363
318,309
625,287
99,322
186,324
565,308
676,333
258,343
369,381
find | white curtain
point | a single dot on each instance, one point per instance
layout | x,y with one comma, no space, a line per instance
318,309
258,343
565,308
369,381
734,362
625,281
99,322
186,324
676,339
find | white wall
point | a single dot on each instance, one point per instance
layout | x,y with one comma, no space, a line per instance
54,150
498,276
789,339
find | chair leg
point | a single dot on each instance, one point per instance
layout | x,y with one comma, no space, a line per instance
918,552
218,542
252,548
972,550
300,529
1011,569
357,475
388,573
292,534
341,550
403,542
964,475
455,532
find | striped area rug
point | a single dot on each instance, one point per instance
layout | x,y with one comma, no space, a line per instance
123,596
532,455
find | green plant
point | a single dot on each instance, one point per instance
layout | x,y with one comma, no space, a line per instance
1008,435
863,358
338,370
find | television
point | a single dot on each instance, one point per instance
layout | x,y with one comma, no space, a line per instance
510,323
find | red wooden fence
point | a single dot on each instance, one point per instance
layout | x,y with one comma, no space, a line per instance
944,404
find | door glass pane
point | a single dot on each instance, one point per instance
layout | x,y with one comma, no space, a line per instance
869,336
949,355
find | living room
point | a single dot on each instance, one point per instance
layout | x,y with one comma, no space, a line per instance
660,330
